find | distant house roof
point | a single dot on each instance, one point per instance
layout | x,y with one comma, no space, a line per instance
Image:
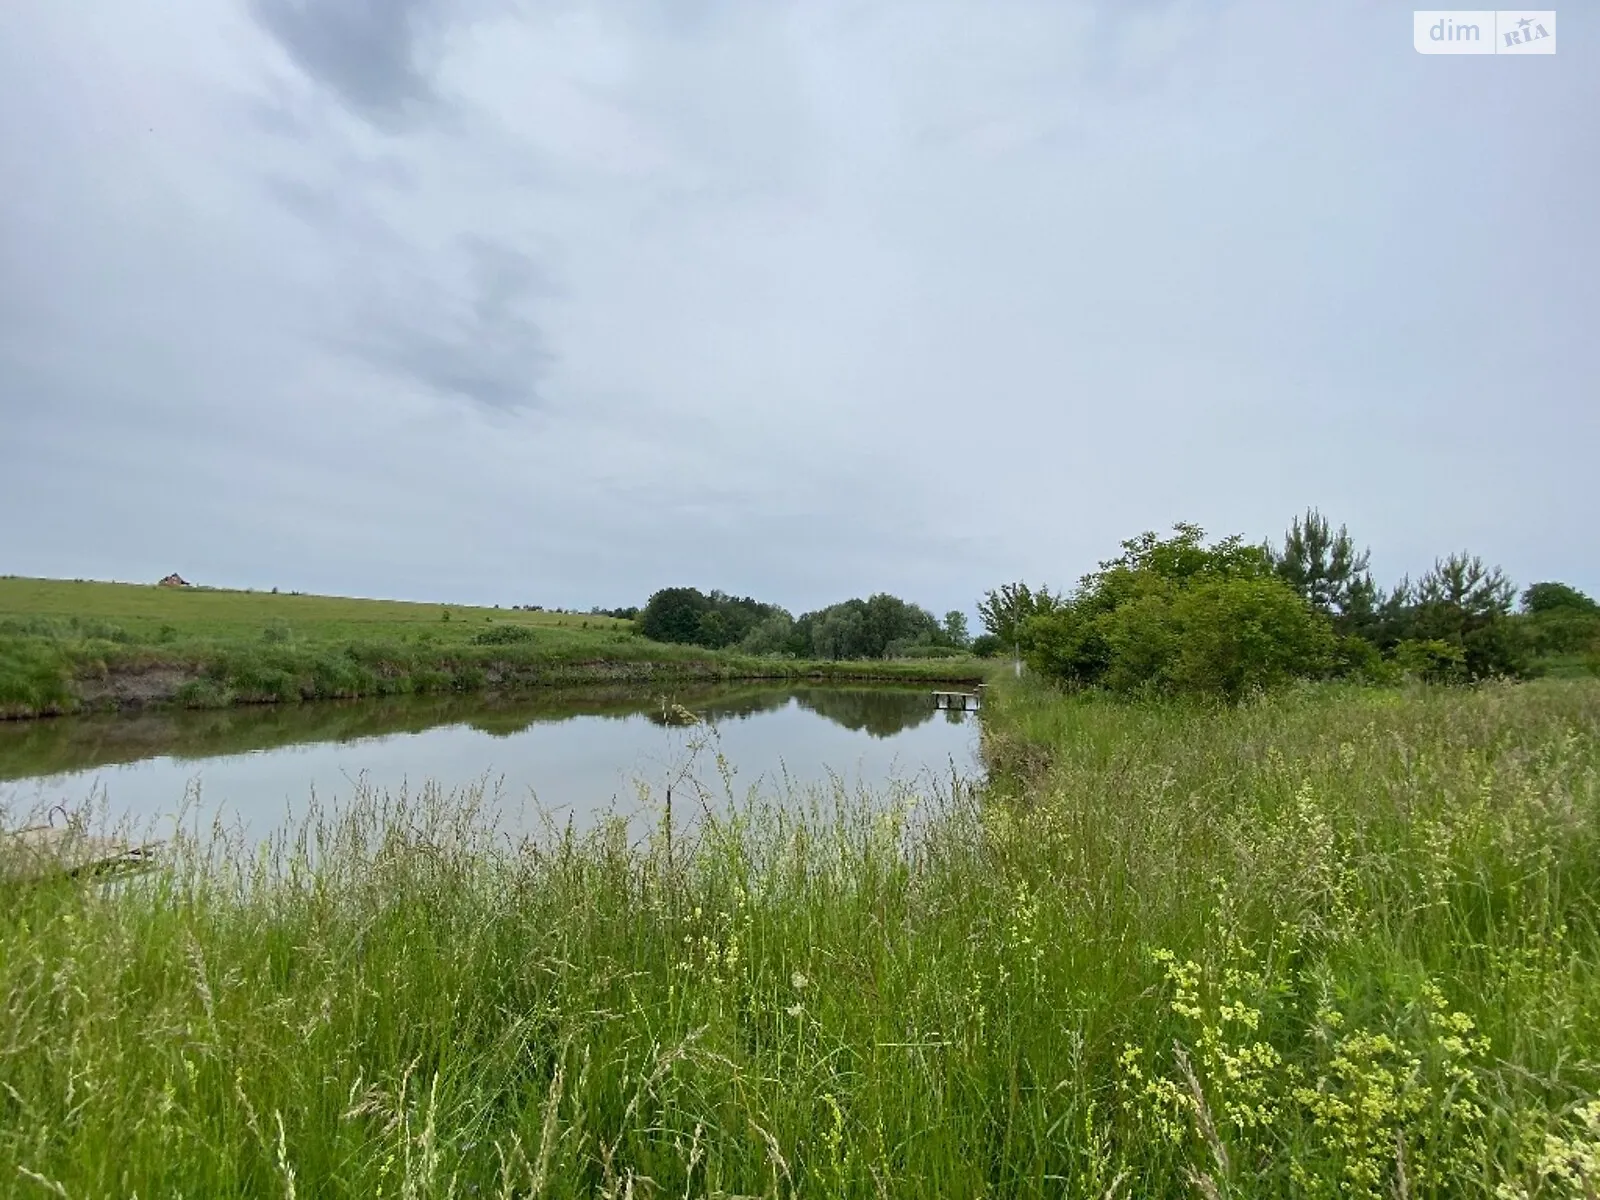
174,580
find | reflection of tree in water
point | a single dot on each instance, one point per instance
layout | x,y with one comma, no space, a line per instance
29,748
720,709
881,712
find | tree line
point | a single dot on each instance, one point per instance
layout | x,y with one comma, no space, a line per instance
881,626
1179,614
1176,615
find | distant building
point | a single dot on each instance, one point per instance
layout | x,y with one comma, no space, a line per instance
174,580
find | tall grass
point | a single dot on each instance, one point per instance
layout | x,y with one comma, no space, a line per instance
1339,944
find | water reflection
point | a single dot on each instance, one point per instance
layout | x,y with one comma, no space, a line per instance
561,753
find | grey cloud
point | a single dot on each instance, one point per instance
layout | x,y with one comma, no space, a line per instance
314,205
365,51
457,324
479,344
920,295
341,208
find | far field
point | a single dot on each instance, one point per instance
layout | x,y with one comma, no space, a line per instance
143,609
76,646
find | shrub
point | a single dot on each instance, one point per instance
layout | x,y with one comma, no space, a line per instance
1565,630
1175,616
769,636
929,651
1241,635
1433,660
986,645
1356,658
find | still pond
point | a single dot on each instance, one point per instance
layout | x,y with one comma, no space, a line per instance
552,756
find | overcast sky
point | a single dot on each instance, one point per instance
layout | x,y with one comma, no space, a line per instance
560,303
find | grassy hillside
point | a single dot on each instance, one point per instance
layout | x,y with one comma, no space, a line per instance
74,646
1342,943
143,610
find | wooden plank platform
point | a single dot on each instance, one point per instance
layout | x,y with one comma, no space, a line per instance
41,851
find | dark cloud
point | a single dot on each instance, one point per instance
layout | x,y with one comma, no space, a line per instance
478,343
364,51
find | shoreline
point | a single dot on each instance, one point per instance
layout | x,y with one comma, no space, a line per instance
217,684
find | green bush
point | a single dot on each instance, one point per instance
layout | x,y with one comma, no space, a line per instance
1178,617
1358,659
1432,660
929,652
986,645
1561,631
1242,635
1143,643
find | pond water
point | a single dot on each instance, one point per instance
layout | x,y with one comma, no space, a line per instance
552,755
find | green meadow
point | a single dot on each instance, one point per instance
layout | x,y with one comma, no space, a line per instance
1340,942
82,646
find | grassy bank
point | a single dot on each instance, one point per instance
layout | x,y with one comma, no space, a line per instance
75,647
1339,944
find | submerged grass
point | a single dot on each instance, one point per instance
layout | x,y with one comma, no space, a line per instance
1340,943
79,646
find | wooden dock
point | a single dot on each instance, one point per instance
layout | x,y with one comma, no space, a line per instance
960,701
43,851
